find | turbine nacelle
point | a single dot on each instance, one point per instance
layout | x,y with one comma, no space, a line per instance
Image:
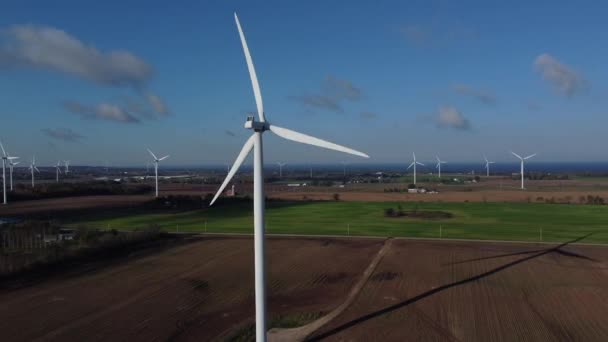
256,126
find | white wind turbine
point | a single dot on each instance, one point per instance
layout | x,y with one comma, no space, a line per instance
67,166
255,143
5,158
487,166
11,165
522,165
33,168
414,163
281,168
57,171
156,160
438,166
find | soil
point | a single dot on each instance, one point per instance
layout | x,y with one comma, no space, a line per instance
458,291
201,291
419,290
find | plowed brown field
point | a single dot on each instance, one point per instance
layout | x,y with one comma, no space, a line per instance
420,290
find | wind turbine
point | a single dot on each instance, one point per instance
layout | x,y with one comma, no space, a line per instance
57,171
255,142
5,158
281,168
11,165
67,166
344,164
414,163
438,166
488,165
156,160
522,165
33,168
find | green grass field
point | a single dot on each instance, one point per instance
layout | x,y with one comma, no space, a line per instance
500,221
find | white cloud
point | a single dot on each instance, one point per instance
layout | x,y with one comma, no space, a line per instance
103,111
334,92
64,134
451,117
564,79
53,49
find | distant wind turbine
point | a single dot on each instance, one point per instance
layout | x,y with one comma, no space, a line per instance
255,143
57,171
156,160
67,166
414,163
522,165
281,168
5,158
32,169
438,166
11,165
344,164
487,166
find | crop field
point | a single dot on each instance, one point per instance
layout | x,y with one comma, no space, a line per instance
420,290
491,221
200,291
462,292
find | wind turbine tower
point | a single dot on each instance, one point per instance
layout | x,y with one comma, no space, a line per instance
156,161
281,168
11,165
57,171
255,142
487,166
438,166
32,169
414,163
522,166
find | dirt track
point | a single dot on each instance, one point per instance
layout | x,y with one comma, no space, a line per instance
420,290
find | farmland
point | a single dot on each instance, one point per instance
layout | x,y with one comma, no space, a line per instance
420,290
493,221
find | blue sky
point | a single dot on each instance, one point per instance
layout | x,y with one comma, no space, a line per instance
103,81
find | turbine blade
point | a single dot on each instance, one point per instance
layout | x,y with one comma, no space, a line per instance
412,164
3,151
437,166
35,168
15,163
12,158
517,155
237,163
254,78
163,158
307,139
419,163
153,156
530,156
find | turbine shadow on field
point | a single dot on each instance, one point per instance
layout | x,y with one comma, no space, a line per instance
557,250
442,288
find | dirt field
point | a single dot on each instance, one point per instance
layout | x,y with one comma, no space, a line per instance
53,205
196,292
455,291
453,196
419,291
